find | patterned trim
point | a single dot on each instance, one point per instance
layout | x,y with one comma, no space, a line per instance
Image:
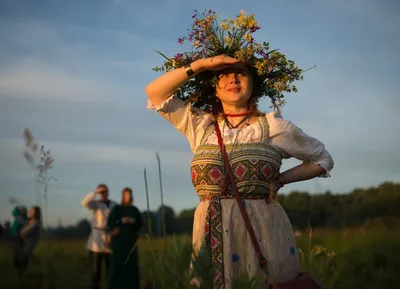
227,197
214,240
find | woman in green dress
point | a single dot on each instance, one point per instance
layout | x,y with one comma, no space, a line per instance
124,223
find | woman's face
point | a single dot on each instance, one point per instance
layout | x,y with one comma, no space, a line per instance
31,213
126,197
234,85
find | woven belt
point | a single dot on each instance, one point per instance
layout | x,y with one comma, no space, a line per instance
245,197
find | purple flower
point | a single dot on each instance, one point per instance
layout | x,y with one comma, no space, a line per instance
178,57
254,28
262,53
235,258
180,40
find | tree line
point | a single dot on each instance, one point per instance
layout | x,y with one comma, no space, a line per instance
375,207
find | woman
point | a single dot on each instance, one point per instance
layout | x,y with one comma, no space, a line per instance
255,143
124,223
27,240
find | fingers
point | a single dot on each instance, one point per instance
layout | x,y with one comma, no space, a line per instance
274,190
228,60
220,62
232,60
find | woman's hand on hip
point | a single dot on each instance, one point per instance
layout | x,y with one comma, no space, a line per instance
277,185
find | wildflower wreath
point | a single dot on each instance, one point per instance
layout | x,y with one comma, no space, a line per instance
210,37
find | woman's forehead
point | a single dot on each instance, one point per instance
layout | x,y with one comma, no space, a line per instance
234,68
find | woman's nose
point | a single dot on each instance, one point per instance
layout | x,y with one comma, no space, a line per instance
234,78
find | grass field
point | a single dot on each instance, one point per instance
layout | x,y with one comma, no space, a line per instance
347,259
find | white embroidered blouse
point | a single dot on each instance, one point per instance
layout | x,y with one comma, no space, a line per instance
284,136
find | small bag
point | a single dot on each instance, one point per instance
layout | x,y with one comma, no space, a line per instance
304,280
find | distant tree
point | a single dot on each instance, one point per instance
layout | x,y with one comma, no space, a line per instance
83,228
188,213
185,221
169,213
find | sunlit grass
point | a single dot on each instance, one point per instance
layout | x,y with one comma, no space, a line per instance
340,260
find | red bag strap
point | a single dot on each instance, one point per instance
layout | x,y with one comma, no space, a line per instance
261,258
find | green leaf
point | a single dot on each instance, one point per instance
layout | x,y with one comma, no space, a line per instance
162,55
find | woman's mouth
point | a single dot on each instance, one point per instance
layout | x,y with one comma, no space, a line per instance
234,89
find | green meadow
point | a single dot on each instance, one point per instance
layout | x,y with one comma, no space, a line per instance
340,259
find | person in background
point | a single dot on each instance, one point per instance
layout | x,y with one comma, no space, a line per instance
28,238
20,215
124,223
98,245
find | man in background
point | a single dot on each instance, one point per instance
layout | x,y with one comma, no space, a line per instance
98,243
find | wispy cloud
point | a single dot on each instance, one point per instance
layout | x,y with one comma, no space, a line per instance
98,154
33,78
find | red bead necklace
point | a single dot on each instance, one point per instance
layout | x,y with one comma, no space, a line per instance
237,114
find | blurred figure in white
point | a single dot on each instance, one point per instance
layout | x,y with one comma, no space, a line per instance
98,242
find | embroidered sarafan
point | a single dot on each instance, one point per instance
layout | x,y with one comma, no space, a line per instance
255,167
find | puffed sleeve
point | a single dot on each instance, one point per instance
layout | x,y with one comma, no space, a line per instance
186,119
291,141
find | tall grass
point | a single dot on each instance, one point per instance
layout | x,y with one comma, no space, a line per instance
345,261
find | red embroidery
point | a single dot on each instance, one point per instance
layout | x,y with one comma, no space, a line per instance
240,171
266,171
215,174
214,243
194,175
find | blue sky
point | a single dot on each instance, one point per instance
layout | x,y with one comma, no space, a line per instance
74,72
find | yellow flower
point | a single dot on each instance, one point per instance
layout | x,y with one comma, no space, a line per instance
241,19
224,25
251,21
261,67
248,37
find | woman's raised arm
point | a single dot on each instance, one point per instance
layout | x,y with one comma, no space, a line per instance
162,87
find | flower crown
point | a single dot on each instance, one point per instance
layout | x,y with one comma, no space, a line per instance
234,38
